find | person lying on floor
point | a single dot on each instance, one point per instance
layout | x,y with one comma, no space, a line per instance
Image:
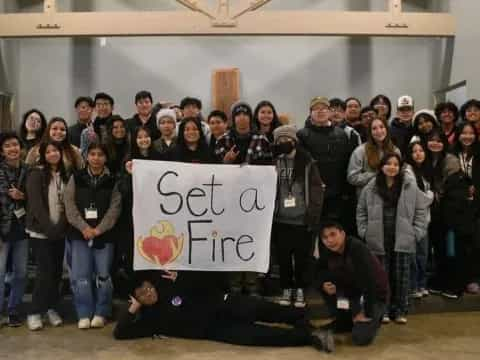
195,305
353,283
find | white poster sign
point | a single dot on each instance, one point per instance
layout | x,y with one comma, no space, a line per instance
202,217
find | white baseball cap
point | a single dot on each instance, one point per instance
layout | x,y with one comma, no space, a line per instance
405,101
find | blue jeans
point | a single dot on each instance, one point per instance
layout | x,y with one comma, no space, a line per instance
418,274
19,251
90,276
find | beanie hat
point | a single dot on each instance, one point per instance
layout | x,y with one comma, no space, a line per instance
429,113
241,108
319,100
190,101
289,131
166,113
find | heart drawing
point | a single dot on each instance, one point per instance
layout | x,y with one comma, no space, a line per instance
161,246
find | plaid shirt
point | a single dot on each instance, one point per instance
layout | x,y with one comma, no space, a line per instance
258,151
10,176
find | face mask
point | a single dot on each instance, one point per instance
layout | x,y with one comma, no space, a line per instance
283,148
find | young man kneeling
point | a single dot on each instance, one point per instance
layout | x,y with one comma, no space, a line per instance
354,285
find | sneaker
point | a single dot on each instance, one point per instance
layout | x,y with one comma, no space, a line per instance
473,288
435,291
449,295
299,299
34,322
84,323
14,320
286,299
53,318
98,322
386,319
401,319
417,294
323,340
425,292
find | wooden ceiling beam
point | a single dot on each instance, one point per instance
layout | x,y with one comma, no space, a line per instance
193,23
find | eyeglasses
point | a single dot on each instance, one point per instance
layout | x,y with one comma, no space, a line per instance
321,110
102,104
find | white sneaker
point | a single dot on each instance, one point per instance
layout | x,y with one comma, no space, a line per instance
418,294
386,319
286,299
98,322
402,320
425,292
53,318
299,299
84,323
34,322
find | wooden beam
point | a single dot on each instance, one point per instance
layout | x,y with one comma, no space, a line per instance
186,23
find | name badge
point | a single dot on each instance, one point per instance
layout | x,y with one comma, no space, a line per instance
290,202
19,213
343,304
91,214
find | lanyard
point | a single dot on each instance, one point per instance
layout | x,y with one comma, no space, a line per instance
59,186
288,176
466,164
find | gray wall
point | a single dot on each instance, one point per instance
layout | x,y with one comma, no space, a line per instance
286,70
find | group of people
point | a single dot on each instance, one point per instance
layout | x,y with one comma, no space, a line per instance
385,207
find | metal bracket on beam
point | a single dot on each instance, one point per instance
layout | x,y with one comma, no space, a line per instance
396,15
49,6
223,18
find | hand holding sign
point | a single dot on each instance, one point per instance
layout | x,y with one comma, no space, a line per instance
231,155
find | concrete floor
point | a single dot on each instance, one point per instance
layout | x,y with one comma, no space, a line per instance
429,336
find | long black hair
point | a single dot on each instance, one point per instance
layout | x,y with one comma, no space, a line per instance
420,171
275,122
387,102
392,194
113,145
40,131
458,148
135,150
202,141
42,151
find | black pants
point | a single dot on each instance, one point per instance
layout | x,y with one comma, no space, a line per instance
237,324
49,259
363,333
332,209
450,271
296,241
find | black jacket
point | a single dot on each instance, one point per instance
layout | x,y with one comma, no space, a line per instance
38,212
330,147
134,122
457,210
187,308
355,273
401,135
74,133
199,156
